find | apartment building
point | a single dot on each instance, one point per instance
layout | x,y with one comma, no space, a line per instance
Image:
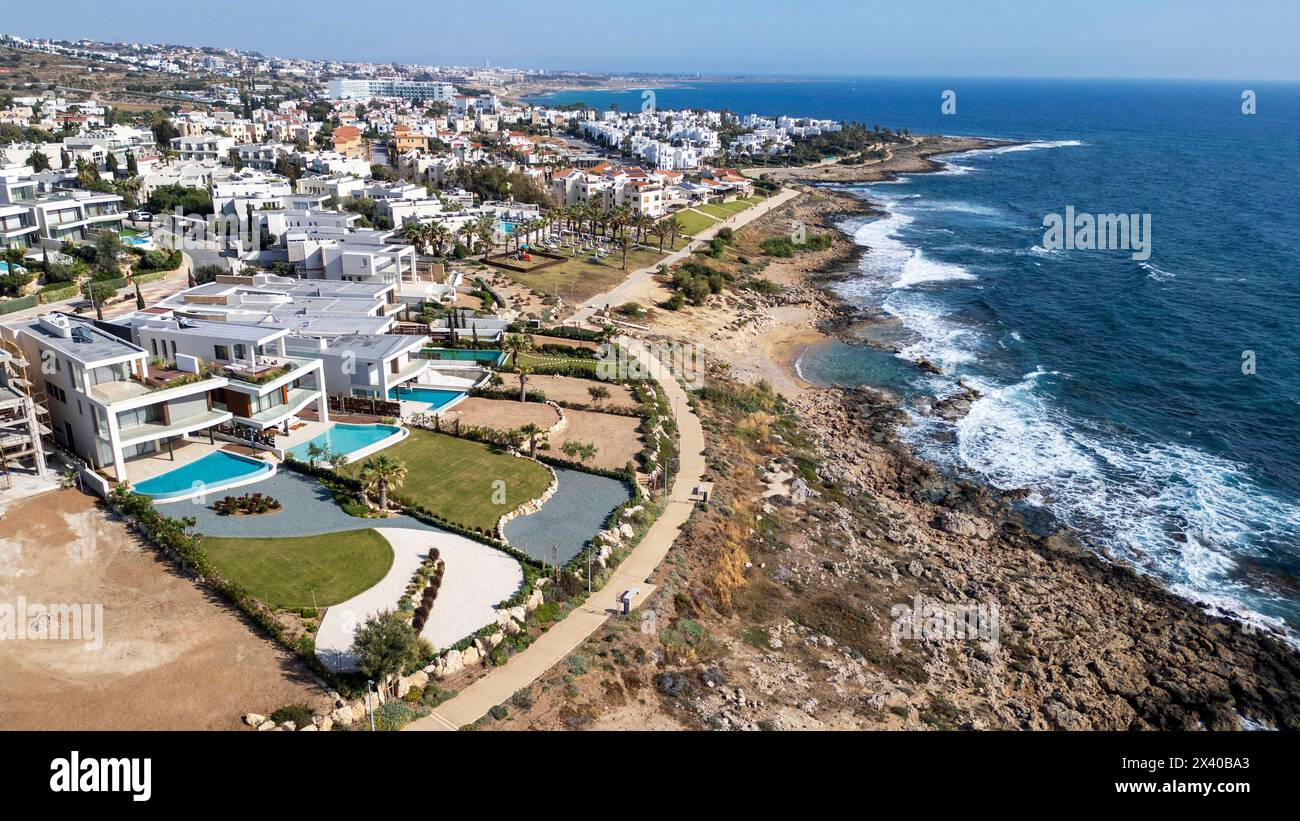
266,387
203,147
57,215
369,366
107,404
353,89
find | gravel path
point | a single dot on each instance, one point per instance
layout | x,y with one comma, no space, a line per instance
570,518
306,509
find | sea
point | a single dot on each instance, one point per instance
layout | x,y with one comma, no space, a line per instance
1149,400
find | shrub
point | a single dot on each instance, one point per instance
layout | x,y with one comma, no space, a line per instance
299,714
393,715
499,712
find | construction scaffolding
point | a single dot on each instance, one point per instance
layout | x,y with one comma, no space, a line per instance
24,418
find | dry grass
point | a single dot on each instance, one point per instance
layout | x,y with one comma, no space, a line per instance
616,437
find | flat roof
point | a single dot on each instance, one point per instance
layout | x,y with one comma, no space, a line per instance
376,346
88,344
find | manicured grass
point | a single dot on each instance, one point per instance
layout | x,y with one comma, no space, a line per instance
693,222
576,280
456,478
736,206
303,571
716,211
541,360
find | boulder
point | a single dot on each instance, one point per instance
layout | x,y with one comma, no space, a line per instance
518,613
310,728
452,663
535,600
342,716
512,627
266,725
495,639
253,719
418,679
471,656
288,725
625,530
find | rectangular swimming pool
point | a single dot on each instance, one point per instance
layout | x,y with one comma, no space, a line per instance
493,358
217,471
437,398
345,438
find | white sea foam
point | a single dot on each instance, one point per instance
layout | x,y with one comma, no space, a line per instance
1155,273
1168,509
891,259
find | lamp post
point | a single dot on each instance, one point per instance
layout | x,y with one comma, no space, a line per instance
370,707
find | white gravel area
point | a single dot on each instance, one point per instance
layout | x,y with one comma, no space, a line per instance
477,578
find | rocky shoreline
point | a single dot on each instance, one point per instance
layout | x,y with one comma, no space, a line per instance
1144,657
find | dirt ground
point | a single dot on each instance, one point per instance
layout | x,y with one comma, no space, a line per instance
569,389
615,437
172,657
503,414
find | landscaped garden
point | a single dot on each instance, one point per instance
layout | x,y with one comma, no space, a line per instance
456,478
303,571
577,279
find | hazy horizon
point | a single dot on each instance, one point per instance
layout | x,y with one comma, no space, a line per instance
1157,40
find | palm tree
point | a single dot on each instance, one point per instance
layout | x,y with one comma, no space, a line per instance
675,228
438,237
415,234
515,344
643,223
523,383
661,229
316,453
532,431
625,244
380,473
337,461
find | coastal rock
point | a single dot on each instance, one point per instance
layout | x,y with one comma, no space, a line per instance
963,526
342,716
254,719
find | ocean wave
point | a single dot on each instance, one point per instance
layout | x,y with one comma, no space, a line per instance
1170,510
893,260
1035,146
1156,273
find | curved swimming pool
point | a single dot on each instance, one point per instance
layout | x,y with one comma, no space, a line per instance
214,472
354,441
436,398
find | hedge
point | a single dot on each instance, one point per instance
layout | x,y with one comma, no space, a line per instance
19,304
60,293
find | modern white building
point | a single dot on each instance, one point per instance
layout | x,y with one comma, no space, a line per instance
430,92
107,404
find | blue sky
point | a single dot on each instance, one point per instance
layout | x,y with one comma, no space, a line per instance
1245,39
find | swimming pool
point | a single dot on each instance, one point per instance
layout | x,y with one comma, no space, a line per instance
437,398
353,440
217,471
466,355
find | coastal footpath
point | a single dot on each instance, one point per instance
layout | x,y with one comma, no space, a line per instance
790,602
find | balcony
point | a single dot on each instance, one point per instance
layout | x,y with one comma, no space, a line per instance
413,369
265,369
150,431
298,399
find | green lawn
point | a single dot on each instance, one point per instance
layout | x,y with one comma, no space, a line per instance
693,222
716,211
456,478
303,571
736,206
537,360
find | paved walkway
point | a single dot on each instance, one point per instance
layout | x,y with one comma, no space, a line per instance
498,685
632,284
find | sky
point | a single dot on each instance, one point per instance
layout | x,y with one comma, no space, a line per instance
1191,39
